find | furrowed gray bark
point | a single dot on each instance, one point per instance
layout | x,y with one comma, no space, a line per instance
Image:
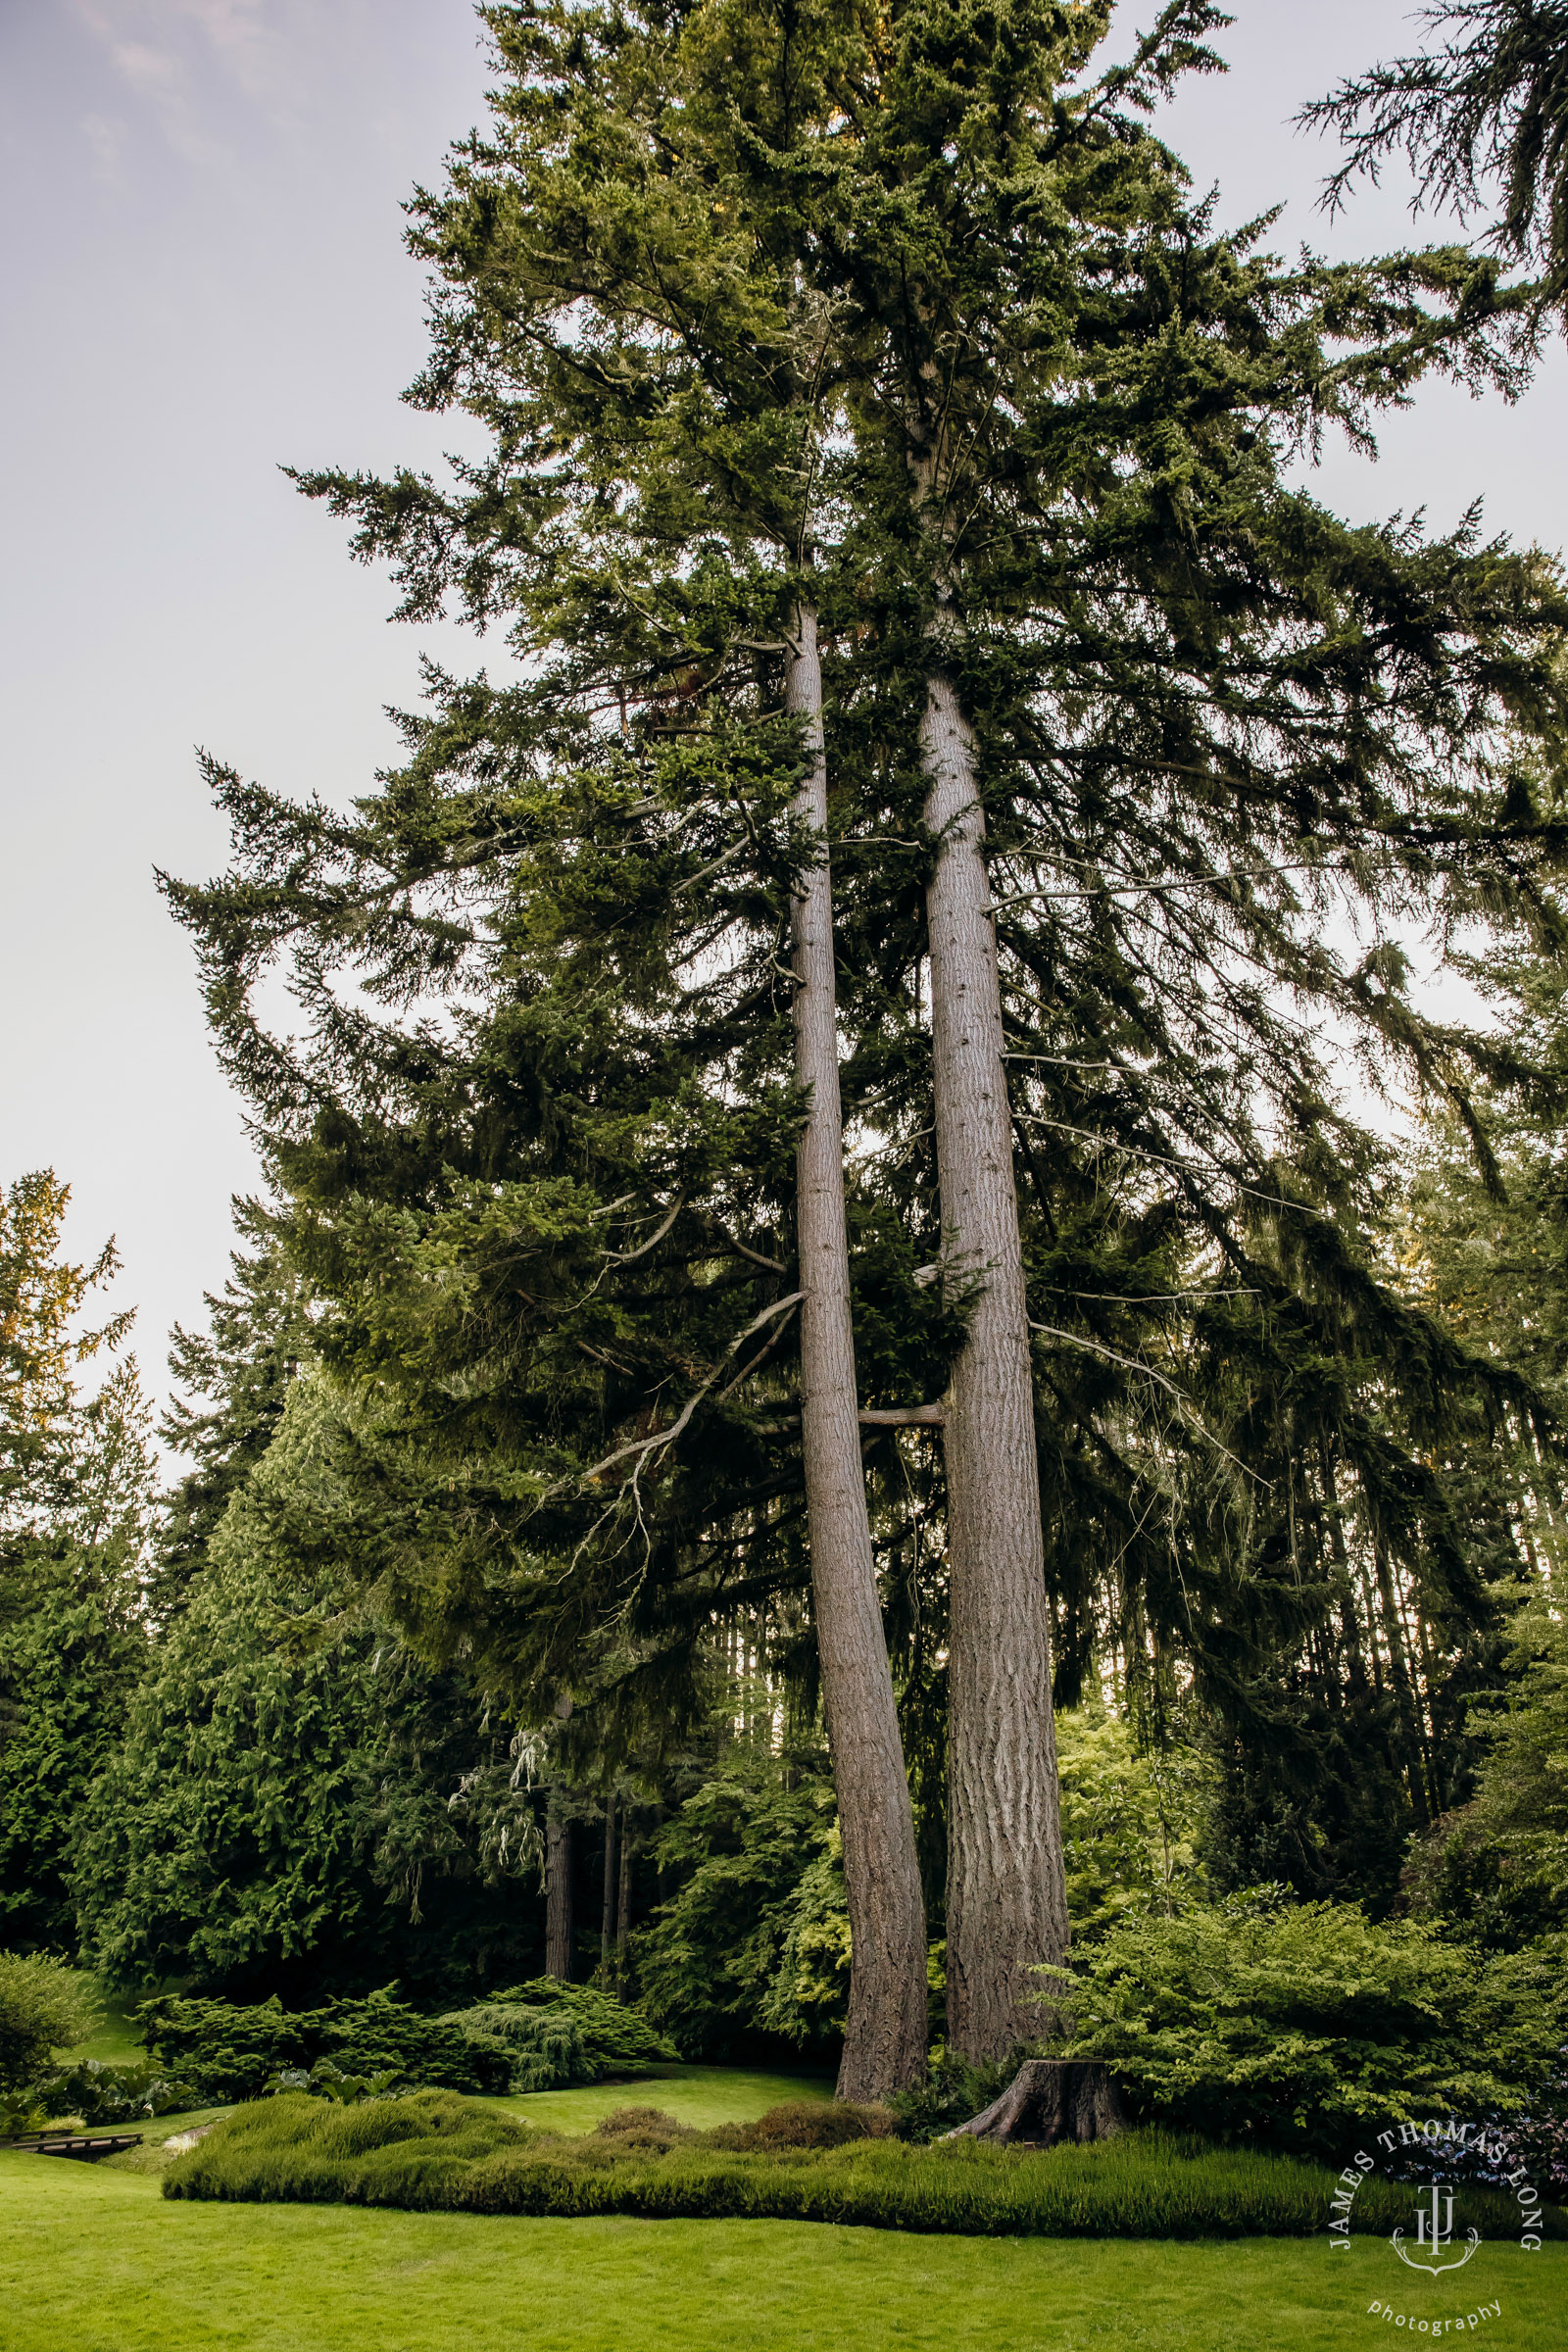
885,2036
1007,1896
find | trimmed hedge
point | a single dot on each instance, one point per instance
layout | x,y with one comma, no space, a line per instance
438,2153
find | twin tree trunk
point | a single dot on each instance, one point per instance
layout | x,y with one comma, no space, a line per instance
1006,1898
885,2036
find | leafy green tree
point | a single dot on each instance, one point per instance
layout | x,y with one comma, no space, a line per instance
44,2005
723,1959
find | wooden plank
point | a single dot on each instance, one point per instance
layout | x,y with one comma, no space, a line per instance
73,2143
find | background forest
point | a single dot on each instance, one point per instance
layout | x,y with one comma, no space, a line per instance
889,502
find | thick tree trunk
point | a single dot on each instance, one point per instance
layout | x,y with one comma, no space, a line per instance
1051,2100
885,2038
1006,1898
557,1894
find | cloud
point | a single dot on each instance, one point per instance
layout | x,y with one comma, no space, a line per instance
187,61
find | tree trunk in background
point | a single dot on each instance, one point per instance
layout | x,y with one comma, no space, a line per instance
557,1894
624,1905
606,1926
1404,1694
885,2035
1006,1896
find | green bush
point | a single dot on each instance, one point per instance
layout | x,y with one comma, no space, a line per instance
228,2052
112,2094
437,2153
748,1938
21,2111
43,2005
556,2035
1299,2027
804,2124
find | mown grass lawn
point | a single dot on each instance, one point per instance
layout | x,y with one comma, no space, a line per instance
99,2261
699,2095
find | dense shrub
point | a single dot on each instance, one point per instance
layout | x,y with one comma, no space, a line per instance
554,2036
43,2005
228,2052
805,2124
1299,2026
112,2094
435,2152
756,1935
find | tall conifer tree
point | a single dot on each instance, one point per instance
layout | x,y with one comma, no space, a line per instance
1081,641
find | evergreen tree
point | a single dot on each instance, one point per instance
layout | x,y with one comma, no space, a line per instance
1134,652
237,1376
1063,585
290,1802
1486,1249
1487,103
721,451
40,1295
75,1522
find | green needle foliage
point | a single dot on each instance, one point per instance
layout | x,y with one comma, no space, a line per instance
75,1522
1302,2027
291,1800
1483,110
916,313
557,2036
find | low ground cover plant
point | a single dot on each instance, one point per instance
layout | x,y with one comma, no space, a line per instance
439,2153
97,2092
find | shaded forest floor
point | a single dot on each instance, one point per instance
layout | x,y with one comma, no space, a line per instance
99,2260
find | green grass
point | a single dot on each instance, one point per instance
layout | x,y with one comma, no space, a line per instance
699,2095
152,2157
117,2042
97,2261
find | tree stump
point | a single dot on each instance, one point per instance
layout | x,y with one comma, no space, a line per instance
1049,2099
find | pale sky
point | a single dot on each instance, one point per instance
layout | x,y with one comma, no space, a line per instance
205,281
